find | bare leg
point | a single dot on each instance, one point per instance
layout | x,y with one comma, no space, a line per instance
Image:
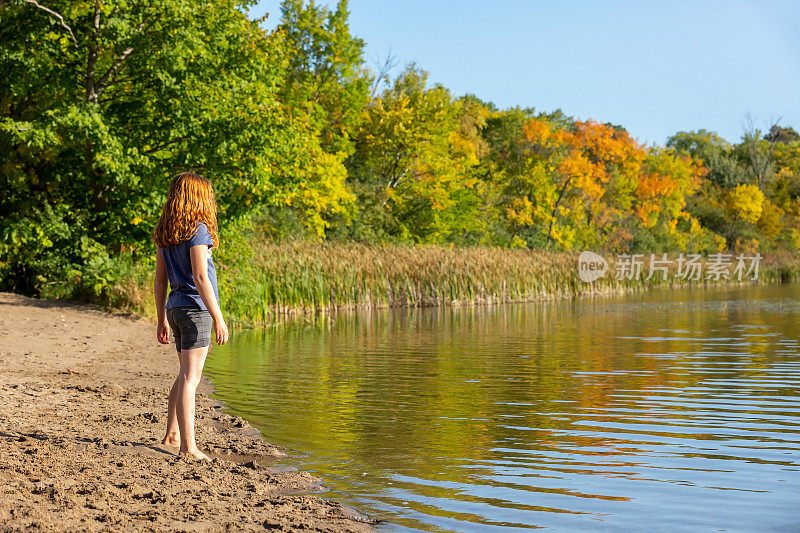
192,362
172,437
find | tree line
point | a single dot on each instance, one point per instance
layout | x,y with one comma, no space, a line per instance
101,103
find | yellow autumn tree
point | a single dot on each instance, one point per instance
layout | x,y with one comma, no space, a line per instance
414,151
746,202
323,192
770,222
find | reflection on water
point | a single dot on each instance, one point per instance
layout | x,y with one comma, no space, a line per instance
672,410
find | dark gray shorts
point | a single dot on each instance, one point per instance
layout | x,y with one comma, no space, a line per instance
191,327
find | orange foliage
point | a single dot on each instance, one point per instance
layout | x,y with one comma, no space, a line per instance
536,131
601,175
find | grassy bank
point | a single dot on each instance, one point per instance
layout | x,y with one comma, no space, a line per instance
269,281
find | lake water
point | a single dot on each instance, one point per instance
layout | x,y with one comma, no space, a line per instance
666,411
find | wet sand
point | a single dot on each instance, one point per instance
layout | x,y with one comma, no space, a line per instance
84,396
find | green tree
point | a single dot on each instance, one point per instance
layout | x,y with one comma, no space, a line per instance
326,81
326,89
515,173
717,155
99,111
782,135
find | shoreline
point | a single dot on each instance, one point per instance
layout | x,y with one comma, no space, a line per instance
86,399
280,281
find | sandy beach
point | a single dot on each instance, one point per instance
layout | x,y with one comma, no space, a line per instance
85,402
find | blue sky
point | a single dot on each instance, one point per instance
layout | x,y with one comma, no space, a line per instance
654,67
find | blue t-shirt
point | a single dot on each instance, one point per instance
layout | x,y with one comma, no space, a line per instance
179,270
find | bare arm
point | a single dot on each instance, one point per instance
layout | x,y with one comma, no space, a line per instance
160,289
199,257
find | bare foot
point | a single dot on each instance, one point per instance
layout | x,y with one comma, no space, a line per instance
196,454
171,440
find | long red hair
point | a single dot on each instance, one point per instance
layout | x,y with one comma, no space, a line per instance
190,200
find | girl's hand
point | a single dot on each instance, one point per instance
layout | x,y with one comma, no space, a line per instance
162,333
221,331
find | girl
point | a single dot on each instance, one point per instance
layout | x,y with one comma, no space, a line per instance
184,234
